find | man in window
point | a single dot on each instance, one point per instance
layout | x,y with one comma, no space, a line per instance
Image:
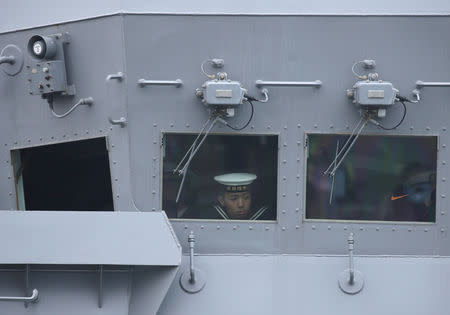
234,201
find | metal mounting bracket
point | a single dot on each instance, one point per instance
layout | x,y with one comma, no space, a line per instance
11,60
122,121
194,280
351,281
119,76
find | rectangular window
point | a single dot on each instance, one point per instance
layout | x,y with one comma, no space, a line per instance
231,177
383,178
66,176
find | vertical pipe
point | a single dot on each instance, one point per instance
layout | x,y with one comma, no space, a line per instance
351,242
191,240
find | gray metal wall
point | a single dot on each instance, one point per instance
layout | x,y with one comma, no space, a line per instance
20,14
295,48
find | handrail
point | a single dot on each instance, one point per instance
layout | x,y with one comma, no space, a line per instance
316,83
143,82
421,84
32,298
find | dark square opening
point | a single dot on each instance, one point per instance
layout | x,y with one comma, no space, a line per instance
73,176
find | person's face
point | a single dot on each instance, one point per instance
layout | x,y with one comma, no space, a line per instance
236,204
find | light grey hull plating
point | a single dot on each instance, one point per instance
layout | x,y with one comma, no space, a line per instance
284,267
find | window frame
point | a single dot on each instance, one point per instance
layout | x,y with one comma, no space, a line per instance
20,148
222,221
345,221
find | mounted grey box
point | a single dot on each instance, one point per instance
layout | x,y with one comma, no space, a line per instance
48,77
48,74
374,94
226,93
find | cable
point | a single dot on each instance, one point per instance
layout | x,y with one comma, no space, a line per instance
249,120
368,64
265,100
344,147
82,101
218,63
401,121
362,77
193,150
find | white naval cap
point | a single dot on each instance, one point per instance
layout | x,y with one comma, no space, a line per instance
235,181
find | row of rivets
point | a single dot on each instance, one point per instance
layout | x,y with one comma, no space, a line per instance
250,227
54,137
329,227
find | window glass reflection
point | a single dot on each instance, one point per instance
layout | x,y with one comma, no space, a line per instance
383,178
231,177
